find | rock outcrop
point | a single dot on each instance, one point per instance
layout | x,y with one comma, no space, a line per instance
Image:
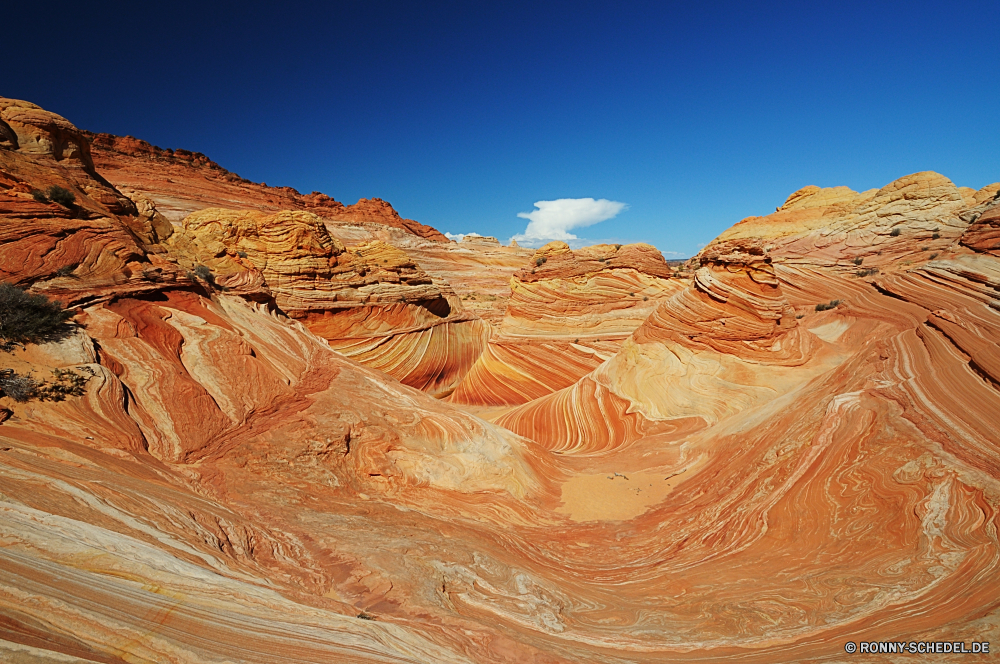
181,182
88,245
983,232
710,350
906,220
372,303
568,312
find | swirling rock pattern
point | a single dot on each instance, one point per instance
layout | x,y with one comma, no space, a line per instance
568,312
747,478
712,349
372,302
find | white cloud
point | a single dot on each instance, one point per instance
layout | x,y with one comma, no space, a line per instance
554,219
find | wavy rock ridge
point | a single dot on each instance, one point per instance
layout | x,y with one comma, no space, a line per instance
568,312
372,303
709,351
181,182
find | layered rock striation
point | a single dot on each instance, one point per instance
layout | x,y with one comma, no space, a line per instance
370,302
90,242
181,182
906,220
568,312
777,457
710,350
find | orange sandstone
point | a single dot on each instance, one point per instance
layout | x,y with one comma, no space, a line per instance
744,476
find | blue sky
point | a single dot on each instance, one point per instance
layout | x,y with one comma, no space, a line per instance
463,115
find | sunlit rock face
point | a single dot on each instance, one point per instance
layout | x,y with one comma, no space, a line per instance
371,302
93,247
709,351
906,220
119,514
780,456
180,182
983,233
568,312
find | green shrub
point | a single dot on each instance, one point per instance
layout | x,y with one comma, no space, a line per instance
824,306
895,232
936,236
540,260
859,260
17,387
866,272
30,319
204,273
39,196
66,383
62,196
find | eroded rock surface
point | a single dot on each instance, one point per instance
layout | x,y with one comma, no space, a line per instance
568,312
781,454
181,182
371,302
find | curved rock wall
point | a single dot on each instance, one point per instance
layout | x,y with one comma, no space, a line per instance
568,312
371,302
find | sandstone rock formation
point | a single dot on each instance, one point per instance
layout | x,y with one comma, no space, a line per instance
983,233
839,228
569,311
777,456
89,248
717,347
371,302
181,182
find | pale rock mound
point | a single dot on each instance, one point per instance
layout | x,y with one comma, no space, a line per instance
904,222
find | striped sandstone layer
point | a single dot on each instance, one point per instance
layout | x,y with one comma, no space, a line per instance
747,479
568,312
372,303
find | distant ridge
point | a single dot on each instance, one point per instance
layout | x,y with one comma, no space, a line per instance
181,182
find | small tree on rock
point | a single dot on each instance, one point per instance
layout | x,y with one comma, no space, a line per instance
30,319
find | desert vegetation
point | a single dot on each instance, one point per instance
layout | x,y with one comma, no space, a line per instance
34,319
30,319
54,194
